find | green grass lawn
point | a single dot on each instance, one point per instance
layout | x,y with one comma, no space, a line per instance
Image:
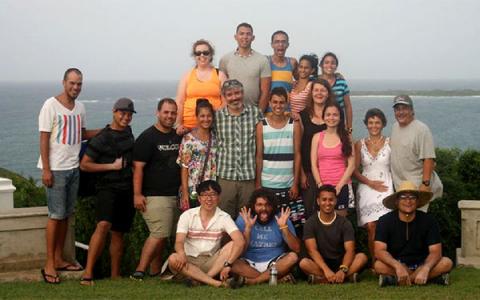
465,284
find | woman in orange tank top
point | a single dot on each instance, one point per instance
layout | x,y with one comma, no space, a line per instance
203,81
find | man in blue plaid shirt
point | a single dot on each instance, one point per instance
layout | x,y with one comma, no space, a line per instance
235,127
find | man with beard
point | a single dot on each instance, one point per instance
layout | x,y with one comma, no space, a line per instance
268,237
235,126
156,179
330,242
61,124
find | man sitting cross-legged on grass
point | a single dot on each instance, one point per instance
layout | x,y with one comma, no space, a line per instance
268,237
330,243
198,253
407,241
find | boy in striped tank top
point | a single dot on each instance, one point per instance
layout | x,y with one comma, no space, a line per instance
278,155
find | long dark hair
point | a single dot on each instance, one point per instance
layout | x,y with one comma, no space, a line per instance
313,61
341,131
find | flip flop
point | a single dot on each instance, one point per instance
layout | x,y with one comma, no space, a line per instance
70,268
87,281
46,276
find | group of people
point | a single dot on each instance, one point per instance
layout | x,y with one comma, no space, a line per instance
258,155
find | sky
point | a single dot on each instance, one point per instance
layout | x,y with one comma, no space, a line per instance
139,40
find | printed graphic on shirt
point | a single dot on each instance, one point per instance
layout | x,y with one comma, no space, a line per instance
68,129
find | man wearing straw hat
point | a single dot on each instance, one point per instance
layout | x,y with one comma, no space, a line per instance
408,246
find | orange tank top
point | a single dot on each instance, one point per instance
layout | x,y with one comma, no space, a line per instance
209,89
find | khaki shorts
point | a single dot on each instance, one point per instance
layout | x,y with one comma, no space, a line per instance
203,262
161,216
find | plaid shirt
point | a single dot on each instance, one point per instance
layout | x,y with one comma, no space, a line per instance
236,143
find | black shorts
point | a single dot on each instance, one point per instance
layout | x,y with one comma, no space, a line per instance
333,264
115,207
343,198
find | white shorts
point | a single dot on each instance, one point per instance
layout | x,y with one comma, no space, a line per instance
264,265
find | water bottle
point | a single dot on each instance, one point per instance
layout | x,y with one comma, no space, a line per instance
273,275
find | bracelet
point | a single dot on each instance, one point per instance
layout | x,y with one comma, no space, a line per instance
343,268
283,227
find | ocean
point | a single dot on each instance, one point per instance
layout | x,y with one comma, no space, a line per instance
451,108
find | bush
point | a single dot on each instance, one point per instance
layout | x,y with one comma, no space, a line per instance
27,193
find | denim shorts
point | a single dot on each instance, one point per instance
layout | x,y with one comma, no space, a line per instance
61,197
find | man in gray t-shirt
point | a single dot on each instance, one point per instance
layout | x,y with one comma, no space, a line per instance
413,151
249,67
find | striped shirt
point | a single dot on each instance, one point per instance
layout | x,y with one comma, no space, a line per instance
65,128
298,101
281,76
236,143
200,240
340,88
277,171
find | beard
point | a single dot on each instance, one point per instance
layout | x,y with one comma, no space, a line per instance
269,219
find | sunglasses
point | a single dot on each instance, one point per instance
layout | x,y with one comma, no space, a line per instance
407,197
204,53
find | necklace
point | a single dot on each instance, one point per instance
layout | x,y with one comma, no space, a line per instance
375,145
327,223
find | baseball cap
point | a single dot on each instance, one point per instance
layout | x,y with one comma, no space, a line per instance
402,99
124,104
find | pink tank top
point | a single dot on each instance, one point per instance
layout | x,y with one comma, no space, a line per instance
331,163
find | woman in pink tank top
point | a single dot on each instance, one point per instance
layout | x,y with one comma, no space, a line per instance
332,157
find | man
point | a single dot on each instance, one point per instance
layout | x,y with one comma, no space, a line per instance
282,66
413,150
330,243
62,128
267,238
156,179
109,154
235,126
407,241
249,67
198,252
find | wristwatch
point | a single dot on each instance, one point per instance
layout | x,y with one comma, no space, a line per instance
426,182
343,268
226,264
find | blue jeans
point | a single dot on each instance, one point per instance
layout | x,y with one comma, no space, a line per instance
61,197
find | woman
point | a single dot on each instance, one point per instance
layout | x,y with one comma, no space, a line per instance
197,155
373,154
333,160
329,65
203,81
306,69
311,123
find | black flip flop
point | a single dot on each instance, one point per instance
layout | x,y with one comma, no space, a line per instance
46,276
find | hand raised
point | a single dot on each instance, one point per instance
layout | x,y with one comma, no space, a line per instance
245,213
284,215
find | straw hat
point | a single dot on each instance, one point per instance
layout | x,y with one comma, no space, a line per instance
408,186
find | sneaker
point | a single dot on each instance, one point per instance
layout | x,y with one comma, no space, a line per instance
353,278
235,282
137,275
443,279
385,280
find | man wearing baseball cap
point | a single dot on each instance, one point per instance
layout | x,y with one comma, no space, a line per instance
408,246
413,150
109,154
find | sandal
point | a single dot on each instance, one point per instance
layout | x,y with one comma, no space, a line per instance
87,281
288,279
48,277
137,275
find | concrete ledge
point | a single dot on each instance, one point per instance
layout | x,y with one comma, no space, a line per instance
22,238
35,275
469,253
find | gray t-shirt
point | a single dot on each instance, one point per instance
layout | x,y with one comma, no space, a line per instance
330,238
410,146
248,70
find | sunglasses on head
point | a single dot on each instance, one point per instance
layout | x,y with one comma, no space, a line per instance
204,53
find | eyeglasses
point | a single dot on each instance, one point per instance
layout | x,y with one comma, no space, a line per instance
407,197
213,195
204,53
231,83
277,42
